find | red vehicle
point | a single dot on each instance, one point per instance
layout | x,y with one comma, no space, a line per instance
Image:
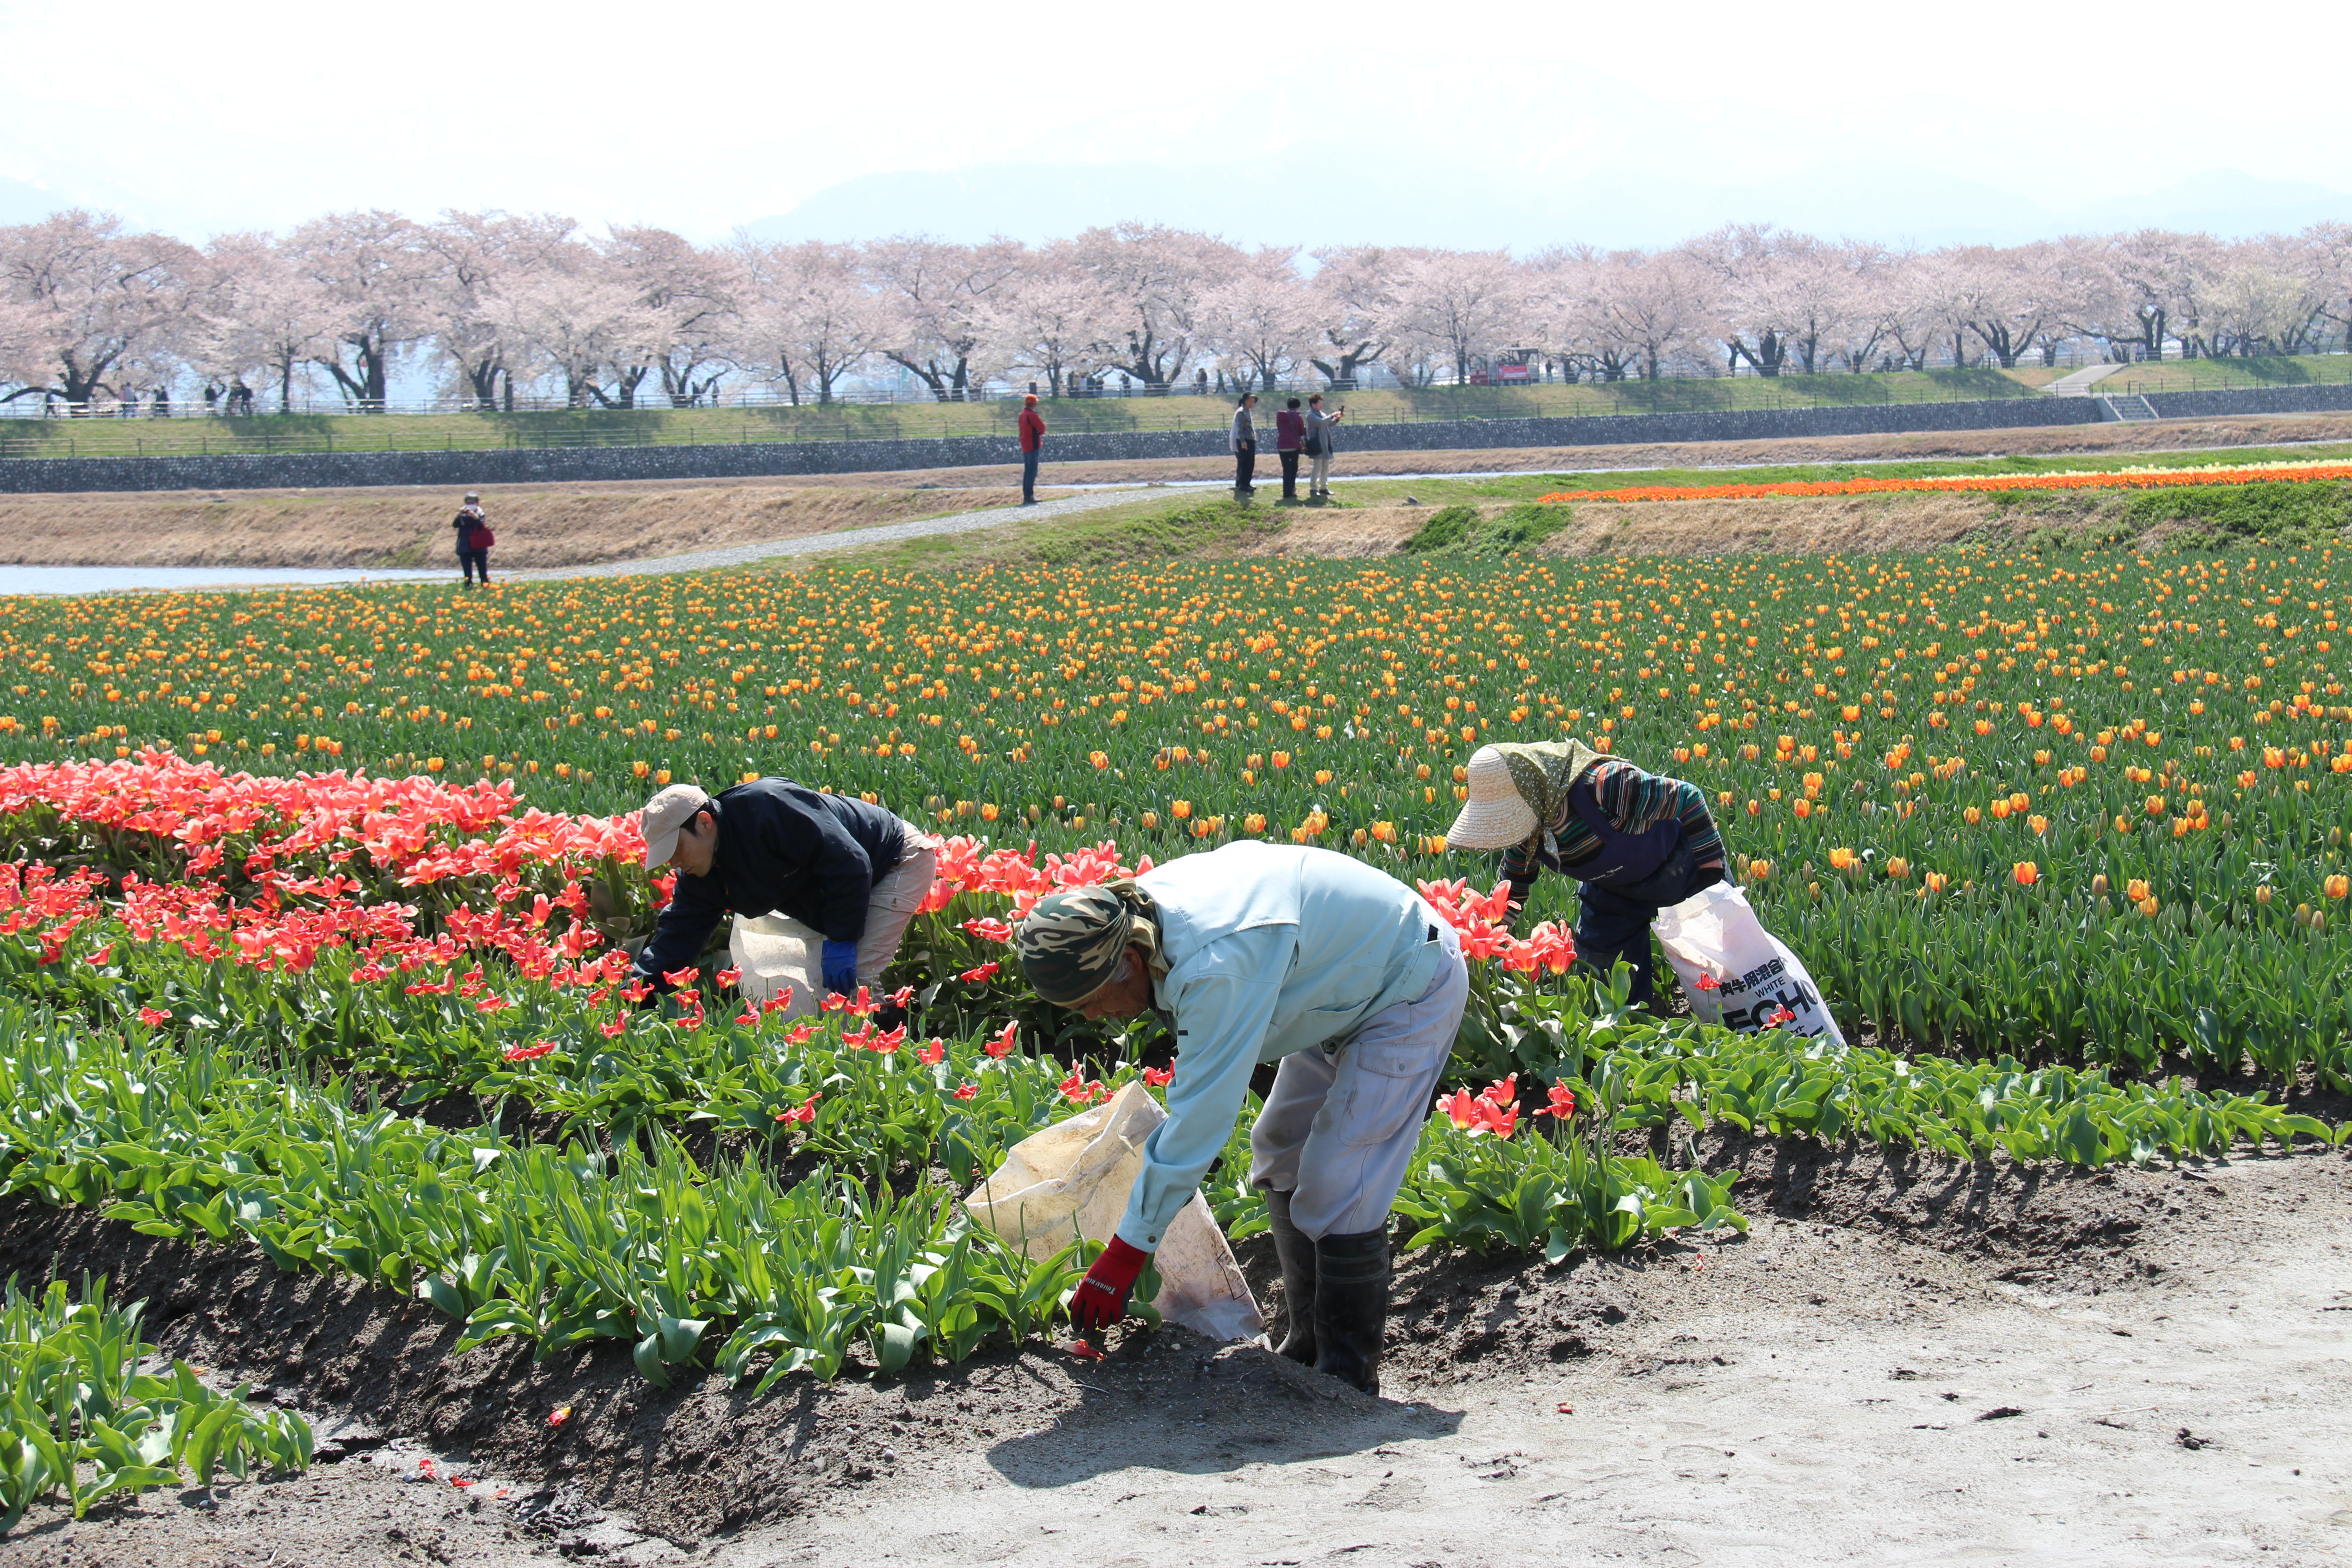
1512,367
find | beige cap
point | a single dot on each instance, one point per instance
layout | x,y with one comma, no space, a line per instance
664,814
1494,816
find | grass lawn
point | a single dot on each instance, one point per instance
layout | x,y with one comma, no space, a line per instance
2228,375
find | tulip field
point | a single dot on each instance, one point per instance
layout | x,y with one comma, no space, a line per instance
315,907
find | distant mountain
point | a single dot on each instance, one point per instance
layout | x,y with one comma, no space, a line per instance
1323,193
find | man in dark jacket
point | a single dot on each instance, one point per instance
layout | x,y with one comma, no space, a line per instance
844,876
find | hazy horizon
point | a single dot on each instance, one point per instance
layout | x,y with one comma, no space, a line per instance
1539,125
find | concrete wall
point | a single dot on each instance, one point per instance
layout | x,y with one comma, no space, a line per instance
2253,400
323,470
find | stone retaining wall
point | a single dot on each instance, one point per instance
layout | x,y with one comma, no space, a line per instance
452,470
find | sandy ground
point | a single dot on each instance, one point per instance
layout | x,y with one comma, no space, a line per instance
1937,1365
569,524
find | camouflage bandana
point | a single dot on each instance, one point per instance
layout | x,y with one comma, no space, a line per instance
1541,771
1070,944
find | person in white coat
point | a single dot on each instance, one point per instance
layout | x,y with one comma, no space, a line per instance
1241,436
1261,953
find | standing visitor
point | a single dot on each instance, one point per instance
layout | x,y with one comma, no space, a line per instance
1321,431
473,540
1635,842
1033,443
1270,952
1290,435
1242,437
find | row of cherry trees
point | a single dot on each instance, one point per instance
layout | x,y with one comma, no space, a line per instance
493,302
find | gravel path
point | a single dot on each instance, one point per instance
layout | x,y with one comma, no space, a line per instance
842,539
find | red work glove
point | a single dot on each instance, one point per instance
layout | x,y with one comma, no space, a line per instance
1101,1296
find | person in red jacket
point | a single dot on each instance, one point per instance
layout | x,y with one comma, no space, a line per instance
1032,442
1290,435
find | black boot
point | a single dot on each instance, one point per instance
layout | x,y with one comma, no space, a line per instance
1351,1306
1296,1250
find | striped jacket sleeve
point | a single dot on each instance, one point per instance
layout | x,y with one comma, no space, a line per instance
1635,802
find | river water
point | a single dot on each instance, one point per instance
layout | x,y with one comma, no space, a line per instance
123,579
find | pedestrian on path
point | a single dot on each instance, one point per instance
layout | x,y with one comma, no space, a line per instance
473,540
1322,432
1270,952
1635,842
846,876
1032,445
1290,435
1241,437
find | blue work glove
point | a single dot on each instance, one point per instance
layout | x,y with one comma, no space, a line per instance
841,968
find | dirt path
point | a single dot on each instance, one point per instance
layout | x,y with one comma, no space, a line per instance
1809,1394
1899,1364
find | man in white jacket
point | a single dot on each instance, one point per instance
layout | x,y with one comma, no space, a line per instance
1261,953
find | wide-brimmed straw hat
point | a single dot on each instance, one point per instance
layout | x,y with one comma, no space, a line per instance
1494,816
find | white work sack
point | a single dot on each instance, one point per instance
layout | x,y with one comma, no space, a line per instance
1072,1179
1716,933
775,951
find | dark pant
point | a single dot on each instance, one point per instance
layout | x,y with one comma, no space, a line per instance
473,560
1244,467
1029,475
1289,474
1615,922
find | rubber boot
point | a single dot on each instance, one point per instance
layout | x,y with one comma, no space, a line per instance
1351,1306
1296,1250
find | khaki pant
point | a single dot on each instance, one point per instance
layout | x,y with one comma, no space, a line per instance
1318,473
784,953
1339,1127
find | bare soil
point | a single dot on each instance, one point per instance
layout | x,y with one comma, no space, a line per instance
1905,1361
1812,525
537,526
549,525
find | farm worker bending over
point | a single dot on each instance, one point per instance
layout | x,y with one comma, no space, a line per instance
1635,842
1261,953
853,874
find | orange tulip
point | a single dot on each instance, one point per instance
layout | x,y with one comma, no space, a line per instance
2025,873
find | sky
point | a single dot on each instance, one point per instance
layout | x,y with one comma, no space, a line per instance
1527,124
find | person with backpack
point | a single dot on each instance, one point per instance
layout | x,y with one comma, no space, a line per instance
473,540
1322,431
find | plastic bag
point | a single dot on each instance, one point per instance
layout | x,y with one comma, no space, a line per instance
1072,1180
1716,934
773,951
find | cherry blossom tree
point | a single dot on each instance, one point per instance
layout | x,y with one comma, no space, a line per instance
1160,274
809,318
580,322
1260,321
260,323
1054,317
373,274
478,259
1466,304
939,296
692,296
1354,288
91,305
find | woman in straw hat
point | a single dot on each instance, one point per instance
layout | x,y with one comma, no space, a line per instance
1635,842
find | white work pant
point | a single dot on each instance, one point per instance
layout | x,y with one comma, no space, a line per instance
896,895
1340,1125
